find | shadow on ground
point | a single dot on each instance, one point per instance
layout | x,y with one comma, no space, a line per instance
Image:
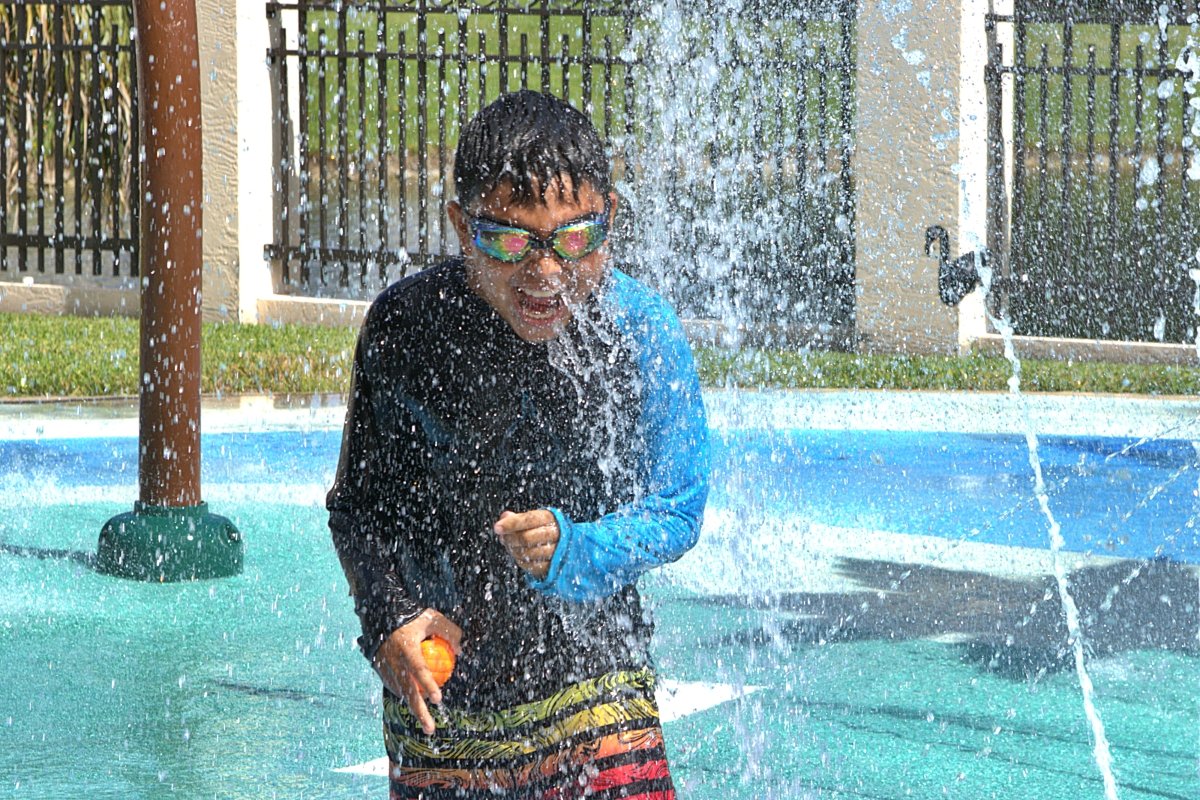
80,557
1014,627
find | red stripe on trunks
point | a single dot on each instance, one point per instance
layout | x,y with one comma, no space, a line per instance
629,773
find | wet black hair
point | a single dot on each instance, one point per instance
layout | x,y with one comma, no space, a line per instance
528,139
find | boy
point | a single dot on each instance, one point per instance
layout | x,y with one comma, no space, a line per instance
524,438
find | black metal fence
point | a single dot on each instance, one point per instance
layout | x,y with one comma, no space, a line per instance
68,139
1094,196
370,97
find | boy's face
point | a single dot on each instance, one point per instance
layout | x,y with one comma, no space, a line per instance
538,295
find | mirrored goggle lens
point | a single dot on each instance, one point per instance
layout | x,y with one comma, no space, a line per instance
573,242
502,244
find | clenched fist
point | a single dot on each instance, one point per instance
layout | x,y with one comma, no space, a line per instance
530,538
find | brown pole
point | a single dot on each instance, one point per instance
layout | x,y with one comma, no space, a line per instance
171,252
170,534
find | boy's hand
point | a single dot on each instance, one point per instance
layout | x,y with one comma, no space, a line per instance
402,667
530,538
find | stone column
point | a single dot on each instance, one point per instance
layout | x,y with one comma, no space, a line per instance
216,25
905,166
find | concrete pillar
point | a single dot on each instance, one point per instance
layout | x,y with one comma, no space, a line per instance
905,166
215,21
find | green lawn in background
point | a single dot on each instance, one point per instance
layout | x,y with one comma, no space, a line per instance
342,96
1134,119
76,357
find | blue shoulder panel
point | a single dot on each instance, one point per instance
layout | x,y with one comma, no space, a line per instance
596,558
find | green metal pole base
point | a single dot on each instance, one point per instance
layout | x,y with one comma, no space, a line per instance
156,543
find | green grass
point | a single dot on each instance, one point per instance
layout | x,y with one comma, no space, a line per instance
1134,120
813,370
76,357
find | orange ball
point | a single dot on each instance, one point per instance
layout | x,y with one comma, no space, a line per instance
439,658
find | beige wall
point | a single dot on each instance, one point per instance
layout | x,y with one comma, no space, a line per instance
216,22
905,165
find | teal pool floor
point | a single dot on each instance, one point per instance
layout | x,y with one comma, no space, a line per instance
251,687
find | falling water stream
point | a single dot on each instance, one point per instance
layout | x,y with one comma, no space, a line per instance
682,137
1100,748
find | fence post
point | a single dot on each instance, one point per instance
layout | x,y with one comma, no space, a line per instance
976,174
906,161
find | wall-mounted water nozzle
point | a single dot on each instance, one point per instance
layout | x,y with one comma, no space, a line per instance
957,278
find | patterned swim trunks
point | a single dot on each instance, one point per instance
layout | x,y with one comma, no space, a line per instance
600,738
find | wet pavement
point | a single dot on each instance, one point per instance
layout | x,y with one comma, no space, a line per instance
805,650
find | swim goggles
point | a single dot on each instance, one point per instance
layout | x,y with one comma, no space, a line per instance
509,244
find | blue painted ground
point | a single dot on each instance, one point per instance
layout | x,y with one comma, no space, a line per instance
1121,497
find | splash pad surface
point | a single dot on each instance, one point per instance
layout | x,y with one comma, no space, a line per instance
870,612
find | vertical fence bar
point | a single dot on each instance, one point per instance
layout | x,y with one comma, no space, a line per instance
135,162
1044,70
304,79
360,145
802,132
1114,149
402,134
95,192
342,57
1191,231
846,283
277,59
1165,70
1091,147
79,170
463,88
441,142
1139,74
758,191
544,36
524,61
322,112
115,158
22,163
5,191
381,142
1017,240
39,146
566,64
58,47
481,70
1190,234
628,98
422,130
1068,142
585,50
997,210
502,24
608,72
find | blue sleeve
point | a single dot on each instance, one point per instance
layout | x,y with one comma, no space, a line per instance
594,559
